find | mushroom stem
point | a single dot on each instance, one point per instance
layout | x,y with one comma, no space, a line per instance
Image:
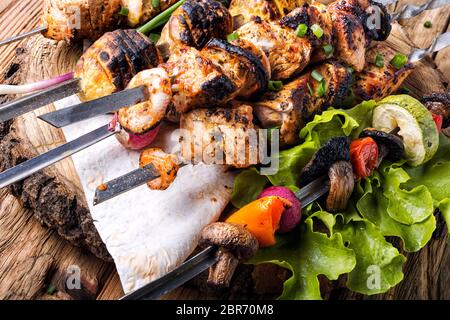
342,182
221,273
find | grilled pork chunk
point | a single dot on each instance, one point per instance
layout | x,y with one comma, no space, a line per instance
219,136
301,99
244,11
110,63
217,74
378,82
194,24
74,20
287,53
139,11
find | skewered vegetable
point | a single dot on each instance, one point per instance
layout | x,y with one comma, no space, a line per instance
291,216
439,104
235,243
417,128
342,183
390,146
364,156
262,218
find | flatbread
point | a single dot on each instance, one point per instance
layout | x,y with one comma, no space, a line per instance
148,233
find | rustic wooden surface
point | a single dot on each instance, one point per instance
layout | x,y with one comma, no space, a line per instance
34,258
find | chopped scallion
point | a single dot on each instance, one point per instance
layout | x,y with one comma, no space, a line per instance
275,85
124,11
317,30
233,36
154,37
156,4
301,30
316,75
311,92
399,61
322,89
328,49
379,60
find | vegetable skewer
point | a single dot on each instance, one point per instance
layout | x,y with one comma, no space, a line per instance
206,258
31,166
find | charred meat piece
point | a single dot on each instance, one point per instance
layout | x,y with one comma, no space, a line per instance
288,54
139,11
375,82
244,11
439,103
351,41
342,182
196,80
165,164
334,150
219,136
390,145
234,244
110,63
309,15
74,20
283,109
327,92
194,24
242,66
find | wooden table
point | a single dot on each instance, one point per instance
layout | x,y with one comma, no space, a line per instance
34,259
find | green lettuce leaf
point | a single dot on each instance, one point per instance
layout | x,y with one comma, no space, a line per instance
331,123
307,254
378,263
373,205
248,184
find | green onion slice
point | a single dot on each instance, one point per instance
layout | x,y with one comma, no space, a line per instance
317,30
156,4
328,49
301,30
233,36
317,76
275,85
322,89
124,11
379,60
399,61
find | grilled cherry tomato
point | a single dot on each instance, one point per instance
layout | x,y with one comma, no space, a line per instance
438,119
364,156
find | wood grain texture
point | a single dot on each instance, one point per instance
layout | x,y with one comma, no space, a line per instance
33,257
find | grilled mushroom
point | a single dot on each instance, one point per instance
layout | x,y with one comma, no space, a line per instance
390,146
334,150
342,182
235,243
439,103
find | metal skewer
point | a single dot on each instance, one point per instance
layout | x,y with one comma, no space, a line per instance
23,36
206,258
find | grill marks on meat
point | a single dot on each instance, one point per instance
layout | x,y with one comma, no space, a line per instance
268,10
294,104
165,164
375,82
74,20
194,24
110,63
287,53
215,75
219,136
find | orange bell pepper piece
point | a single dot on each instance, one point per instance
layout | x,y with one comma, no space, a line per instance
262,218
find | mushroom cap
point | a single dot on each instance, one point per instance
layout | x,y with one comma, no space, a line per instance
439,103
335,149
393,143
230,236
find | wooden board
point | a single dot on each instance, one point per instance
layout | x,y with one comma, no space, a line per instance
34,257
